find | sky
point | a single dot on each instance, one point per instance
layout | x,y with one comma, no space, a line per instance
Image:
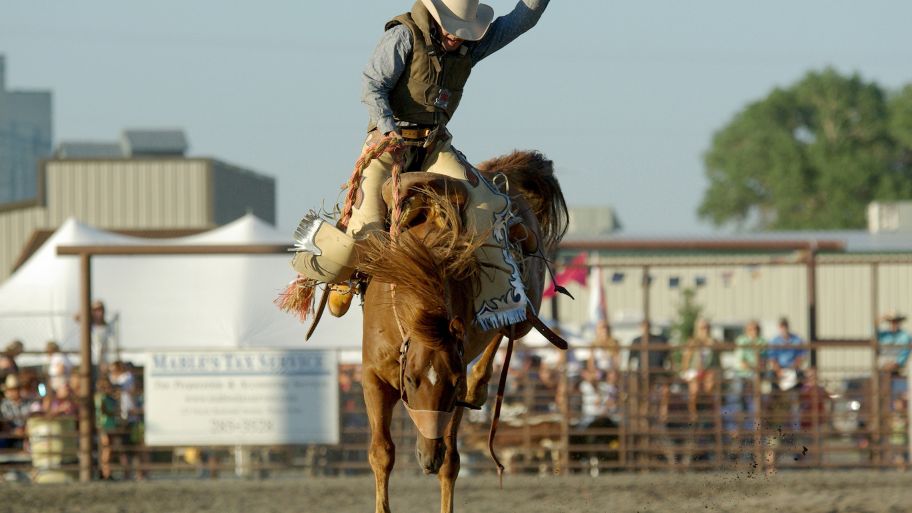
623,96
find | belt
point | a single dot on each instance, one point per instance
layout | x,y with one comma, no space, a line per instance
416,133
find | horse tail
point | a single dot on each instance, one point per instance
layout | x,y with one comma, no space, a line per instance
531,175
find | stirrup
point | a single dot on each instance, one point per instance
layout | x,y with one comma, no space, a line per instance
340,299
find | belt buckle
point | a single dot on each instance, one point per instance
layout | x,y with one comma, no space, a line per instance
431,137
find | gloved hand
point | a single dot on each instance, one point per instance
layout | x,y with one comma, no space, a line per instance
375,137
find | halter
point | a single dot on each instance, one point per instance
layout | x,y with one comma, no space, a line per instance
431,424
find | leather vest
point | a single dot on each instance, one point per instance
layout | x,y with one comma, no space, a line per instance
431,86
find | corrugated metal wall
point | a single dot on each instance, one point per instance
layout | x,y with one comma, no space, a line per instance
732,295
124,194
729,295
236,191
16,227
114,194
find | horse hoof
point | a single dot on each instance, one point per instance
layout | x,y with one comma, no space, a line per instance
340,299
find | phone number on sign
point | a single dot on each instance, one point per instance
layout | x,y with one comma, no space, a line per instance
241,425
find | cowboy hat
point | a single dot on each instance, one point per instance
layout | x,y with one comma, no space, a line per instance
465,19
894,316
11,383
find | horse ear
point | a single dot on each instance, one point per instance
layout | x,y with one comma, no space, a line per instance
457,328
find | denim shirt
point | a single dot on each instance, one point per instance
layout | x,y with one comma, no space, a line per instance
395,48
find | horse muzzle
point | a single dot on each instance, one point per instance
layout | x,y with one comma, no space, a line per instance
431,424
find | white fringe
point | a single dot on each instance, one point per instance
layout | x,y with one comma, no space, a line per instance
496,320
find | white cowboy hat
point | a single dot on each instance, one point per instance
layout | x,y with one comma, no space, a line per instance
465,19
894,316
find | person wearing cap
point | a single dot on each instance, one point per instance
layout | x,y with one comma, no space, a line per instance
14,410
894,343
412,86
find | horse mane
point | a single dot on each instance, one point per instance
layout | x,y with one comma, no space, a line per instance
531,175
436,273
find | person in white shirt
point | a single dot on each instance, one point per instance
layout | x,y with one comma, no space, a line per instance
59,366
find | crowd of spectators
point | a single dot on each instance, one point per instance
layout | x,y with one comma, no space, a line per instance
52,391
761,384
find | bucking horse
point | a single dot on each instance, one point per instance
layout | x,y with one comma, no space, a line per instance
419,335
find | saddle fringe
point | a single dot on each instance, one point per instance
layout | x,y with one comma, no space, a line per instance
298,298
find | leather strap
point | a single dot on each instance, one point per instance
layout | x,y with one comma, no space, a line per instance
546,332
501,386
318,313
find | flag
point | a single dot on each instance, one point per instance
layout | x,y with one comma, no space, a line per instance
700,281
617,278
674,282
576,271
598,301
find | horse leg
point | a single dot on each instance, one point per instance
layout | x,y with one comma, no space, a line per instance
449,471
478,379
379,398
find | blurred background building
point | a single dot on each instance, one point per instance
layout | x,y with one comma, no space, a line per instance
25,138
143,185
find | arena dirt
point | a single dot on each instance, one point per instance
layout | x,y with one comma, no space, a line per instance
806,492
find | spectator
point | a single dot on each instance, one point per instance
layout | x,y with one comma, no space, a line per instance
605,350
599,397
122,380
59,366
14,410
785,358
786,361
894,343
748,362
700,365
658,357
8,359
104,347
61,402
107,417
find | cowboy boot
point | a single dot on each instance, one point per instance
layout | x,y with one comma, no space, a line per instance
323,252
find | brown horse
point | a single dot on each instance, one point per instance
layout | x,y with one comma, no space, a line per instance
419,333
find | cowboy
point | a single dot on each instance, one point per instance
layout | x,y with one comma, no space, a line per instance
412,86
894,343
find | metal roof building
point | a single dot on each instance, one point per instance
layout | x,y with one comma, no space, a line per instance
163,195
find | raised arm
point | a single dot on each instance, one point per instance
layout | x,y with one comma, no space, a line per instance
381,74
508,27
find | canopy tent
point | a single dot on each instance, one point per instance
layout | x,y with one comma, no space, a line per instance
166,302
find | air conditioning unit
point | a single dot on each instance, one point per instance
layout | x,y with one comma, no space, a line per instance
892,217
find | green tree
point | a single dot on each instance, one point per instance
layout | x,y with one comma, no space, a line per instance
810,156
688,313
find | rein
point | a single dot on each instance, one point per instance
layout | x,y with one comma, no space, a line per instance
389,144
431,424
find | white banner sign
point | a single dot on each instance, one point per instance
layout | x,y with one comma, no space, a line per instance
241,397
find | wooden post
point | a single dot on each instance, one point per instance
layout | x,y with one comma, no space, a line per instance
812,301
644,392
757,399
86,385
876,427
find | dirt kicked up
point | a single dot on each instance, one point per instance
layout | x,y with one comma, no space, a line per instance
805,492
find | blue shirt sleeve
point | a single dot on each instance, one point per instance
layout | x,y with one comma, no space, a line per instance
508,27
381,74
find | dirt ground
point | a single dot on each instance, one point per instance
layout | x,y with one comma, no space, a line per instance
806,492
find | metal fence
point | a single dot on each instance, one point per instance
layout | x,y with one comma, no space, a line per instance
645,418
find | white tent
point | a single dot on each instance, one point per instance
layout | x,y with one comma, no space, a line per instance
173,302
